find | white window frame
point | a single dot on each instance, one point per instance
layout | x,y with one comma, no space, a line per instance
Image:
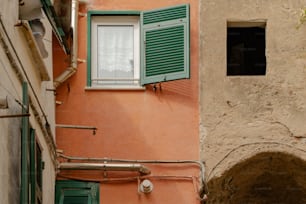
115,21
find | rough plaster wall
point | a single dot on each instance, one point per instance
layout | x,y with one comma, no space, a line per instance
243,115
10,131
10,162
10,128
9,138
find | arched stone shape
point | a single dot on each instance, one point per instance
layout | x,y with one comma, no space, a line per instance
245,151
265,178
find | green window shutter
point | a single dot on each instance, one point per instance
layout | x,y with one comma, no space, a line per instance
33,165
76,192
165,44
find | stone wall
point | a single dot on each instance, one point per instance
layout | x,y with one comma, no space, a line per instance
245,115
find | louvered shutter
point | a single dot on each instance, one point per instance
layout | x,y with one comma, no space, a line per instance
165,44
76,192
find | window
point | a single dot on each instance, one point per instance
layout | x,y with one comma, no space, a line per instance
31,158
32,186
130,49
36,168
75,192
246,49
116,50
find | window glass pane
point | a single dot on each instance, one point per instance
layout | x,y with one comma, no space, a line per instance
115,50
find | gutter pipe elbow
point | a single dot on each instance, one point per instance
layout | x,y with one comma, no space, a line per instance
68,72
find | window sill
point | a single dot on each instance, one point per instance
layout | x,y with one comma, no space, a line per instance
115,88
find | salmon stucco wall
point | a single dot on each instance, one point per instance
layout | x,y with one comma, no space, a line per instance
142,124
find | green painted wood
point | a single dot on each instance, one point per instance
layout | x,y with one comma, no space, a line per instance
33,165
88,81
39,167
167,14
165,44
76,200
67,192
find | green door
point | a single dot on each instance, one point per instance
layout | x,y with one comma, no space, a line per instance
73,192
76,196
76,200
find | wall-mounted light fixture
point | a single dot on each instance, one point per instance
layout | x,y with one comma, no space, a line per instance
146,186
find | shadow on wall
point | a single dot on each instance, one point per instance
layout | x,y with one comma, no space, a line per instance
181,87
14,148
145,121
269,177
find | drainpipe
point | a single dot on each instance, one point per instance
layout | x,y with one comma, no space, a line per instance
74,54
105,167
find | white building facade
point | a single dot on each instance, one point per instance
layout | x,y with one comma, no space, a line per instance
27,123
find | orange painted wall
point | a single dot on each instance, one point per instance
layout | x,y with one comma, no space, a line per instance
153,125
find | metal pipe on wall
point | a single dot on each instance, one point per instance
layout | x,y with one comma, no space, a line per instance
76,127
105,167
69,71
94,129
203,187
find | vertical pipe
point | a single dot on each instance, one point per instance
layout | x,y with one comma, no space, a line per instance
74,25
69,71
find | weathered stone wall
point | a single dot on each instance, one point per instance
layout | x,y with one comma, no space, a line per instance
244,115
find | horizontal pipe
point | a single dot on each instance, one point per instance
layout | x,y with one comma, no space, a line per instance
105,159
76,127
105,167
83,1
15,116
203,187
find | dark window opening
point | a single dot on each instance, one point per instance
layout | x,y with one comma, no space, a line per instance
39,166
246,51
